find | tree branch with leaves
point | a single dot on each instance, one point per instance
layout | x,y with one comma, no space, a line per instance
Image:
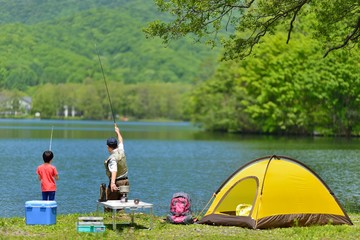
239,25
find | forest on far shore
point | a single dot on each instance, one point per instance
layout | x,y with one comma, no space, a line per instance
61,42
281,88
58,54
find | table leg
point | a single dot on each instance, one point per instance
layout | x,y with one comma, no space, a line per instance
151,216
132,217
97,209
113,219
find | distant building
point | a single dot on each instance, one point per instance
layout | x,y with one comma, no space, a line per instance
69,112
14,106
25,104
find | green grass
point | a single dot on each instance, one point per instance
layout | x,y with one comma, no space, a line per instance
65,228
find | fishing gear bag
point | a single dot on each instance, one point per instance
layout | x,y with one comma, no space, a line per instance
180,209
103,193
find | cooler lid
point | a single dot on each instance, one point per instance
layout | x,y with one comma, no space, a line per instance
39,203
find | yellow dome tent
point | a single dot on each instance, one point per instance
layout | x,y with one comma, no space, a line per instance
274,191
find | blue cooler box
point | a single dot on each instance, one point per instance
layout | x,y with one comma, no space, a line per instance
40,212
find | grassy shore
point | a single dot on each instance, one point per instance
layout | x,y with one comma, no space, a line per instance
65,228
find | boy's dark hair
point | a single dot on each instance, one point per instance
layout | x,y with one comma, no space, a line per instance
48,156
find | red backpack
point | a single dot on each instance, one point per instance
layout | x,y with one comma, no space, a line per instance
180,209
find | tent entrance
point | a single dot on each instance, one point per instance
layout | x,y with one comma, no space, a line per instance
241,196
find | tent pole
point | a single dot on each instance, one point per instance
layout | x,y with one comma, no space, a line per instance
206,205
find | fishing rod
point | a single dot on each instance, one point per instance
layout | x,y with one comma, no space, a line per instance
51,137
107,90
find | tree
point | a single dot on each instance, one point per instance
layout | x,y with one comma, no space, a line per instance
89,102
44,101
282,89
248,21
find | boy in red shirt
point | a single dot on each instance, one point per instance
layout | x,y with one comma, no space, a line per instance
47,175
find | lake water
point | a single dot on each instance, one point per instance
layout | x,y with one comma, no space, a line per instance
163,158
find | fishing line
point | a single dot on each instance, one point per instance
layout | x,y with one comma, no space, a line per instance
107,90
51,137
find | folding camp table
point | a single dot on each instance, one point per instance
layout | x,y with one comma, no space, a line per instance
130,205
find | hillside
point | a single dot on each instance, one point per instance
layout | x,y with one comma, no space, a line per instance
58,42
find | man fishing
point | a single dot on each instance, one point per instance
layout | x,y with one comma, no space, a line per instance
115,166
